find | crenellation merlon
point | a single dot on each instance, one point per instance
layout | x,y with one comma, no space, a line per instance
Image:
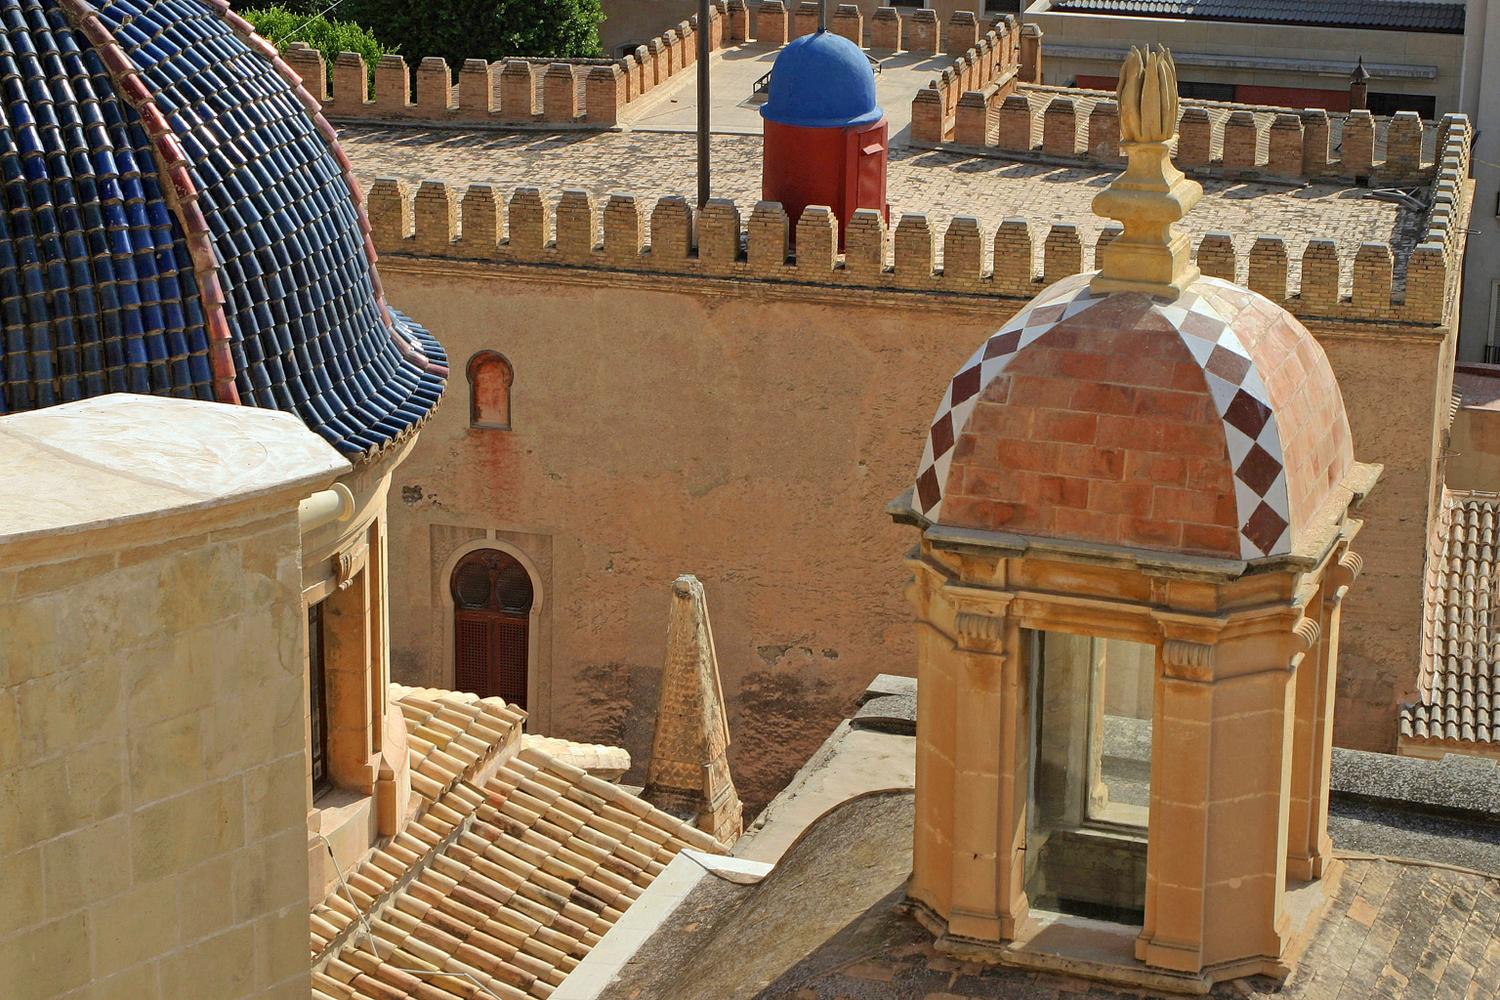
432,220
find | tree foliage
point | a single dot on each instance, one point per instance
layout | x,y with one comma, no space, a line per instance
282,26
482,29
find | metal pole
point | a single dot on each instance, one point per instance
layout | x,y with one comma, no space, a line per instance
704,28
822,15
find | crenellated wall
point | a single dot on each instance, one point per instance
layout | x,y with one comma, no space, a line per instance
622,232
593,93
602,93
1072,125
957,104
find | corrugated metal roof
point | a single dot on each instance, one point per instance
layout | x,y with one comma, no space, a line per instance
253,283
1379,14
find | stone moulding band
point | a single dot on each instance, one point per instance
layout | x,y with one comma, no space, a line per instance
437,221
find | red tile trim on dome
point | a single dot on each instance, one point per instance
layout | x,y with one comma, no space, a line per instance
247,33
1239,393
172,164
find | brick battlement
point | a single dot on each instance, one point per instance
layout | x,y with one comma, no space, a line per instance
986,71
596,93
1077,126
623,234
602,93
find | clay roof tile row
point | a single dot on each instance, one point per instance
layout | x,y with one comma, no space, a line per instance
501,888
1460,681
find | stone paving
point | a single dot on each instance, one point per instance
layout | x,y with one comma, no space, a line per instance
942,184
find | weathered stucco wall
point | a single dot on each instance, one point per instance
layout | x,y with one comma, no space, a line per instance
753,435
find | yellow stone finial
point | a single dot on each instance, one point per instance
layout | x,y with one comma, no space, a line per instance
1152,193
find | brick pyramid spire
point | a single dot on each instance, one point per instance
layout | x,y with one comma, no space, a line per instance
689,771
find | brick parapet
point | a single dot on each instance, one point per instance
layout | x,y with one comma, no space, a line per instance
1250,142
986,59
429,221
609,88
985,65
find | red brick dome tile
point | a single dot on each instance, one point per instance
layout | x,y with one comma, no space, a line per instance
1210,425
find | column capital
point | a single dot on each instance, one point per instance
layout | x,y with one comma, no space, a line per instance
1187,660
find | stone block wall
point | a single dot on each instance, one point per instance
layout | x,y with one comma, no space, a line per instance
153,833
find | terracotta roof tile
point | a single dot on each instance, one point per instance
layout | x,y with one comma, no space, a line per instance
454,736
1460,679
502,888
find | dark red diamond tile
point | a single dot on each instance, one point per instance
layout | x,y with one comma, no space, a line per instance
1205,327
942,435
1264,527
929,490
1002,344
1247,414
966,384
1259,469
1228,365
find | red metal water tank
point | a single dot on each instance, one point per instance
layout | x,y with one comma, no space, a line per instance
826,140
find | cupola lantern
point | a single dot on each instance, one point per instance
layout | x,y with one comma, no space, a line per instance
1135,538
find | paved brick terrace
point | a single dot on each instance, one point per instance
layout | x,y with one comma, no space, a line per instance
942,184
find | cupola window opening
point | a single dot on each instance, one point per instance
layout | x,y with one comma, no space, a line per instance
1090,775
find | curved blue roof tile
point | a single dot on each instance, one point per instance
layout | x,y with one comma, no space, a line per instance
99,287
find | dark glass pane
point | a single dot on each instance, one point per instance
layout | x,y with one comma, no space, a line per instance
322,780
471,585
513,587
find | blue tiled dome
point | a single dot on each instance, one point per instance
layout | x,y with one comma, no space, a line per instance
822,80
177,218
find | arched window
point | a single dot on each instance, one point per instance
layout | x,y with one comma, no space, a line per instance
490,377
492,598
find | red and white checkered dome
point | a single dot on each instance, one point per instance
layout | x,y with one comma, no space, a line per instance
1210,425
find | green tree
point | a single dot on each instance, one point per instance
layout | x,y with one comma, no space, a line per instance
482,29
282,26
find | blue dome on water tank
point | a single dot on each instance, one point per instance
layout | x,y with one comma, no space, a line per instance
822,80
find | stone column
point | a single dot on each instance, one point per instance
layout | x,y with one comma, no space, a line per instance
1220,769
1309,848
963,31
848,22
805,21
1314,142
988,899
924,32
771,23
1359,144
